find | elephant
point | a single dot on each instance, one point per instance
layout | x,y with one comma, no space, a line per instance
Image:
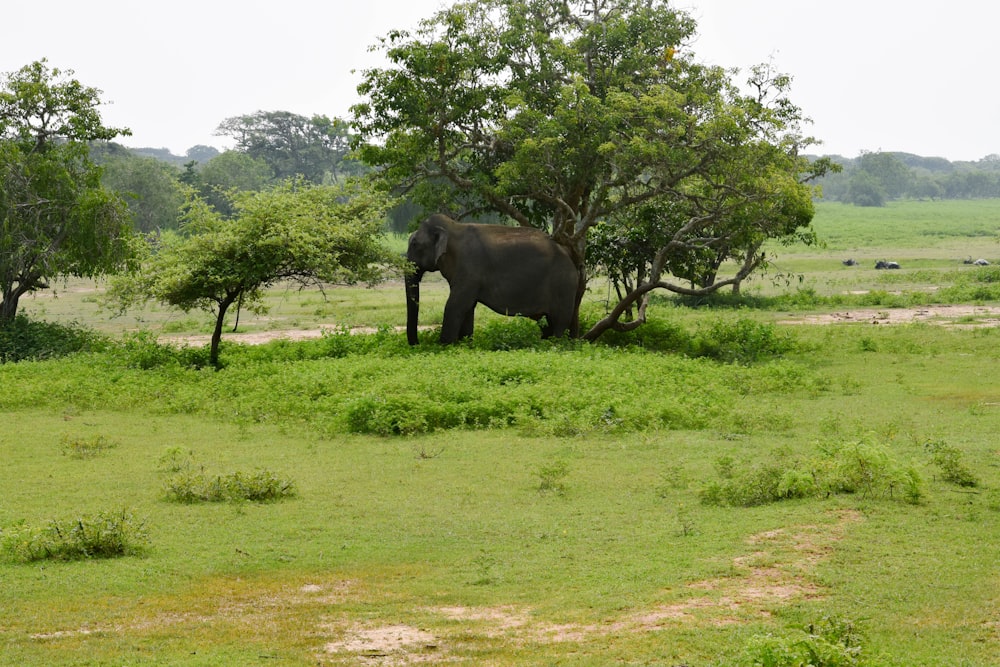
512,270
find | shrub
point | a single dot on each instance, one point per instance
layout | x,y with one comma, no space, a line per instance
551,477
85,448
195,487
23,339
949,460
512,333
869,470
104,535
831,643
853,468
759,485
741,341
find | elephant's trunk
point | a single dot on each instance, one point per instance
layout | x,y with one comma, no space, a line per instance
412,281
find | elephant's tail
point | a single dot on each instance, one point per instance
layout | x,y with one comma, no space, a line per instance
412,281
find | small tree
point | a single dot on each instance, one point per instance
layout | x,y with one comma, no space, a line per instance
55,217
312,235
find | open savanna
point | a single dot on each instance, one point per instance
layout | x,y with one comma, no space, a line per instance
730,486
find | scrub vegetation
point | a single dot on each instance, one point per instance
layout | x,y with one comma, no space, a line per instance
728,485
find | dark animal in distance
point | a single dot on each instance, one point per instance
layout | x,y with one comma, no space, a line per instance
978,262
882,264
849,262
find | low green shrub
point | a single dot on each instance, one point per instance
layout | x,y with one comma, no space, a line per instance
831,643
104,535
551,477
24,339
855,468
742,341
511,333
869,470
189,486
948,459
86,448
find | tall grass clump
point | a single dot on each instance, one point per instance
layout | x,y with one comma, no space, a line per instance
191,486
78,447
109,534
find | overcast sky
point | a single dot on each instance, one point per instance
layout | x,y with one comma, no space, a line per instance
894,75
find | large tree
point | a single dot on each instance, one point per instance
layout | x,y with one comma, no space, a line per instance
149,186
295,232
55,217
314,148
572,115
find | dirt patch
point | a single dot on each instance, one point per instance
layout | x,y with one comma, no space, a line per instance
956,315
261,337
776,570
388,645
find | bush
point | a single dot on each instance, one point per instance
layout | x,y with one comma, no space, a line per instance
853,468
105,535
741,341
23,340
831,643
870,471
759,485
85,448
512,333
195,487
949,460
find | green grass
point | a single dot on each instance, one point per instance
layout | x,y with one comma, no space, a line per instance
517,503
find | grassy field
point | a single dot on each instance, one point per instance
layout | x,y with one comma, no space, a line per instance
723,489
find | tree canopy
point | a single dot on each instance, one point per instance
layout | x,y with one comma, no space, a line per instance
291,145
298,232
579,116
56,219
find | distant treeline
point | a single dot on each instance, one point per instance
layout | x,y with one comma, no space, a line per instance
872,179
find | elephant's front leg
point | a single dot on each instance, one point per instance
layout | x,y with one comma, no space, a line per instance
459,315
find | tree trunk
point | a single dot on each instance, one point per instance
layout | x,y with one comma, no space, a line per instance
8,308
213,354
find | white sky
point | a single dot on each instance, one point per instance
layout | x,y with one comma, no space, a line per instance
895,75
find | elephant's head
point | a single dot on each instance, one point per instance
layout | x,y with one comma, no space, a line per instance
425,249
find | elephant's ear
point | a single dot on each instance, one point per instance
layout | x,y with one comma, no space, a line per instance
440,244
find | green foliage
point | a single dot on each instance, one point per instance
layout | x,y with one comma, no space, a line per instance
22,339
79,447
743,340
854,468
296,232
55,217
599,124
103,535
192,486
291,145
948,459
831,643
870,470
552,476
148,185
517,333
